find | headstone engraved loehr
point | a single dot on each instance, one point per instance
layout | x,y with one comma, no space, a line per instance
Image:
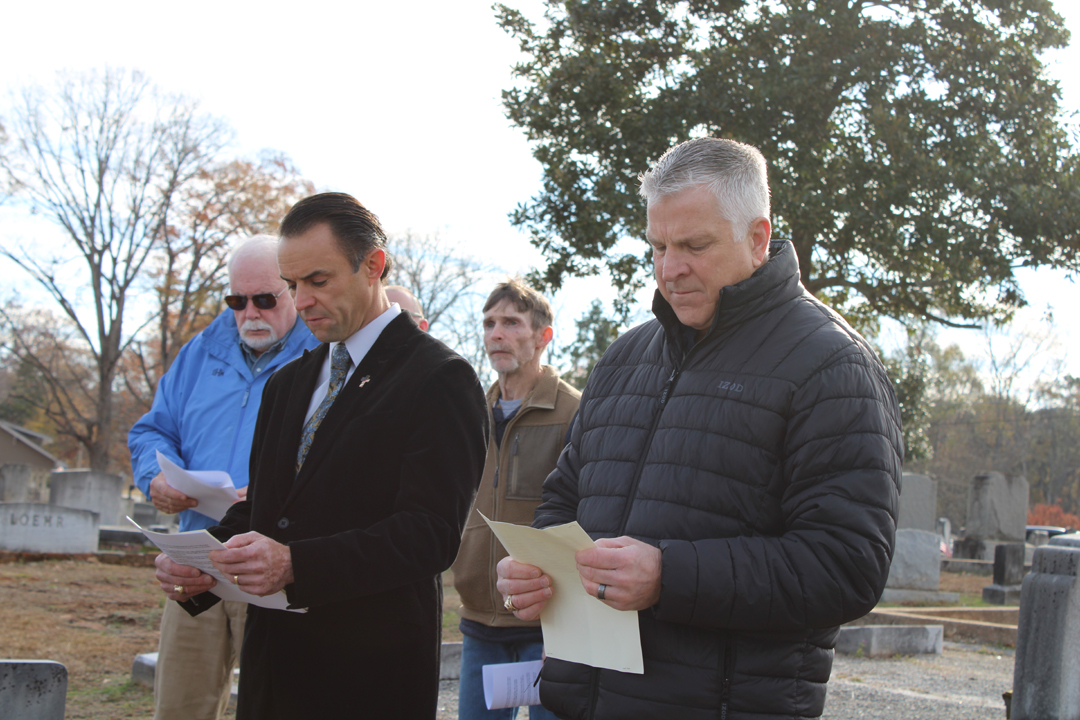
1046,676
35,527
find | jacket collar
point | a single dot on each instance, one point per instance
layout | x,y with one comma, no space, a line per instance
542,396
773,283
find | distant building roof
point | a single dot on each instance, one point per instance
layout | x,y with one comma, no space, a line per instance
27,438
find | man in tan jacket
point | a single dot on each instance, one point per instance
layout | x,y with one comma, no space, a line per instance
532,410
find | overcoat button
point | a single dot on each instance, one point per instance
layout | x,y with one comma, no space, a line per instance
283,523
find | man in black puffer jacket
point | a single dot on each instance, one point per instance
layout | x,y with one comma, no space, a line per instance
737,460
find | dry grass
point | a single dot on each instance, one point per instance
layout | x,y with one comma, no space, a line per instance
93,618
968,585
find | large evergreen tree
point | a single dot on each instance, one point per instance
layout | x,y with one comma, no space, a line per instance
917,151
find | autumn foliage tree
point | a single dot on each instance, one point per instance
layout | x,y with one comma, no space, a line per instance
227,200
1053,515
145,194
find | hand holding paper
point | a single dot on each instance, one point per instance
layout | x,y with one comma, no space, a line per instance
192,549
577,626
212,488
263,565
629,570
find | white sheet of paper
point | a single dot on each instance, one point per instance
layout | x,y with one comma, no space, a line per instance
577,627
509,685
212,488
193,548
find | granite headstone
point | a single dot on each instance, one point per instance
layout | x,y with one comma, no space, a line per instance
88,490
918,503
35,527
32,690
997,508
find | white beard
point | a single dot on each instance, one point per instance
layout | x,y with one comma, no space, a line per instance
258,343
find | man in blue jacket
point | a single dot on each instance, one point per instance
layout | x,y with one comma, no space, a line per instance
203,418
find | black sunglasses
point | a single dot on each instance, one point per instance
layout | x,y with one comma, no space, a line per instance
263,301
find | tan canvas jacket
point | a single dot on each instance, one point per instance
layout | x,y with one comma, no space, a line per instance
510,491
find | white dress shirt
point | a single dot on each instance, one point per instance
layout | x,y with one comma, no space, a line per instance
358,345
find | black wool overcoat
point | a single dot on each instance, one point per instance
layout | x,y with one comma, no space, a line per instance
375,514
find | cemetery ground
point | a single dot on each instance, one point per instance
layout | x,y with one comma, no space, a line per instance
95,617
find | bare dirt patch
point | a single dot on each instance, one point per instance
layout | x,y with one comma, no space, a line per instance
92,617
969,586
95,617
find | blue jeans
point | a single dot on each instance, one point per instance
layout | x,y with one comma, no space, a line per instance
475,654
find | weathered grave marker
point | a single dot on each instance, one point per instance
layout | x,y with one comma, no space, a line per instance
32,690
1046,677
35,527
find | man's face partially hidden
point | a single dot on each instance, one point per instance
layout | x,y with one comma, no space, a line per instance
509,338
695,253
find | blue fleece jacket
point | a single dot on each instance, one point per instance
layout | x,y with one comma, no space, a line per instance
204,411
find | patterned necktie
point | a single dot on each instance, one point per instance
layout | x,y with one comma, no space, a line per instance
339,366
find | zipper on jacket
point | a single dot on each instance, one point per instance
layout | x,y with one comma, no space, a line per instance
594,692
725,682
496,599
498,466
664,395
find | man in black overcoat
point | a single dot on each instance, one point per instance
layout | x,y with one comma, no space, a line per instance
367,454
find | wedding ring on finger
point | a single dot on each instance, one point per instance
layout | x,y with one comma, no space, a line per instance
600,593
236,579
509,604
178,589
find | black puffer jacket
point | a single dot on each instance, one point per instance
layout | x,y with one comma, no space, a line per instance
765,463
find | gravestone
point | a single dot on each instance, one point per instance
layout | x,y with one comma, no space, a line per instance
918,503
35,527
916,561
997,513
1046,674
23,483
997,508
916,569
1008,575
88,490
145,514
889,640
32,690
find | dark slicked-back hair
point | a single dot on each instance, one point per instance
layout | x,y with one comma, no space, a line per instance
525,299
355,228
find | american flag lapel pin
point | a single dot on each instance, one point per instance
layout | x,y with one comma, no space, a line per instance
364,380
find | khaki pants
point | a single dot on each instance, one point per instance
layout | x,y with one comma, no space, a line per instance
196,657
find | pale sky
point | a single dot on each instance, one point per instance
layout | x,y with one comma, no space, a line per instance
396,103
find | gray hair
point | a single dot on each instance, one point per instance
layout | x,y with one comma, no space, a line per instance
734,172
256,245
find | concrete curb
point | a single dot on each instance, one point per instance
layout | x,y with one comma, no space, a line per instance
995,626
889,640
